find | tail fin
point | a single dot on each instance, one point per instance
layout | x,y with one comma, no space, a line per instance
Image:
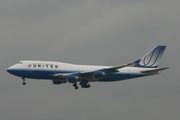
151,59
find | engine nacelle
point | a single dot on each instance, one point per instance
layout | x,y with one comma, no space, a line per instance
99,74
58,82
72,78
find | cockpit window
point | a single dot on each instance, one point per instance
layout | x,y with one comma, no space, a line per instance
19,63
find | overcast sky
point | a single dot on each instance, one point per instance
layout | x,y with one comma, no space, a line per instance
98,32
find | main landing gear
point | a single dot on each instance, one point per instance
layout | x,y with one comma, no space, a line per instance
75,85
23,83
84,84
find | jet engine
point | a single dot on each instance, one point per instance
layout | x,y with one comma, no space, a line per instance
73,78
99,73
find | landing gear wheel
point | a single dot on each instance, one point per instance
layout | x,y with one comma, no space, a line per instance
75,86
24,83
81,83
88,86
84,84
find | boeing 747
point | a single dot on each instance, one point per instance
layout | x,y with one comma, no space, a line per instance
61,73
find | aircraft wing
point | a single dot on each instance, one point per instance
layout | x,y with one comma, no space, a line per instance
93,75
110,70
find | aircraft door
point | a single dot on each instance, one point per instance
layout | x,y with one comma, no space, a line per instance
29,68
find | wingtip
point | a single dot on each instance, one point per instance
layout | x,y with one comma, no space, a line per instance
167,67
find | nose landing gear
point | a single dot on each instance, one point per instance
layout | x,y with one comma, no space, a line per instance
23,83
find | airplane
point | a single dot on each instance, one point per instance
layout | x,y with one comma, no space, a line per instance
60,72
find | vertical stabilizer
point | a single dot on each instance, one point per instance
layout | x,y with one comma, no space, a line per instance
151,59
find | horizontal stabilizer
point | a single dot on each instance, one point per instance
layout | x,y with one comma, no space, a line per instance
155,71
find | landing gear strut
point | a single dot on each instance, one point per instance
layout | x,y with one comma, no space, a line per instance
23,83
75,86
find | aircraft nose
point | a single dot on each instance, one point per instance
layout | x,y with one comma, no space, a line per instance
13,70
9,70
